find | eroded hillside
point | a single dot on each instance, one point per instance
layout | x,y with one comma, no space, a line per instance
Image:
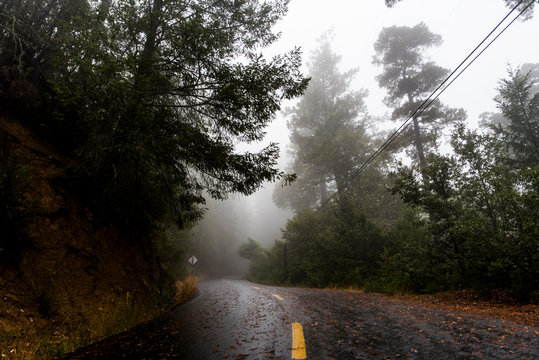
69,278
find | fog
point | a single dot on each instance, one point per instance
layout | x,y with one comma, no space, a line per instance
355,26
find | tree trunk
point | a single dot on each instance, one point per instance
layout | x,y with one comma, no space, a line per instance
419,145
144,68
323,192
417,137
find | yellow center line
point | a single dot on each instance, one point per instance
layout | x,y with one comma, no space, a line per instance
278,297
254,287
298,342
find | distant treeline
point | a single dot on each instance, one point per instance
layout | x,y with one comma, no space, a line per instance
466,219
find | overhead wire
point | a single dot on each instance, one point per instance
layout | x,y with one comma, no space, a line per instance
432,97
430,100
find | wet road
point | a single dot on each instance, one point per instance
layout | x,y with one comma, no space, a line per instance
235,319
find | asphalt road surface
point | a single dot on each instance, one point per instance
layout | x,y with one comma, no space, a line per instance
235,319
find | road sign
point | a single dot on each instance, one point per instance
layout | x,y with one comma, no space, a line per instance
192,260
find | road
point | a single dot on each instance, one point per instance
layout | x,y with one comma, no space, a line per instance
236,319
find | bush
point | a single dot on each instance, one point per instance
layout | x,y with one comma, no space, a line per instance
336,247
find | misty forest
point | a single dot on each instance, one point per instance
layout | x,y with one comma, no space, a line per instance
128,120
467,219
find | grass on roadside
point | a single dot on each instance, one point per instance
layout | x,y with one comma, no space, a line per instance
60,339
185,290
94,325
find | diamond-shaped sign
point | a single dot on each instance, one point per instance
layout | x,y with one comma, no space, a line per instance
192,260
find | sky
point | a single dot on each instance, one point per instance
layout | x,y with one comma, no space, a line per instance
356,25
461,24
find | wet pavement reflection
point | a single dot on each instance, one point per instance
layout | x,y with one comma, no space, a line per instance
236,319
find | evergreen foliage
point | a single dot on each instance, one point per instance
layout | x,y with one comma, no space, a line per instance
470,220
409,79
479,214
520,105
335,247
151,97
328,132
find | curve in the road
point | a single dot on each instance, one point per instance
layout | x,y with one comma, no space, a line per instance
233,319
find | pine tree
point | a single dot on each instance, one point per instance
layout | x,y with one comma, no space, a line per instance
328,132
409,79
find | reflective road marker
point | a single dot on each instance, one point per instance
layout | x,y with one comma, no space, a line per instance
298,342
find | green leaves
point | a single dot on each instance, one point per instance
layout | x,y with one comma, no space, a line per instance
477,210
334,247
409,79
251,250
328,132
520,105
154,96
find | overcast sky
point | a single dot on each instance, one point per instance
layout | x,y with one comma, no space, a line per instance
356,25
462,25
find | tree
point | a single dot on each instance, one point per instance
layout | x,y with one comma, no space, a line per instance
481,214
28,33
409,78
371,196
260,267
154,95
519,104
328,132
491,120
335,246
250,250
517,122
409,262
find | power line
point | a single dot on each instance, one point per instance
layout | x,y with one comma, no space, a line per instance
429,100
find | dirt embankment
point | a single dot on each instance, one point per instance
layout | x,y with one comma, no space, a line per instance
75,280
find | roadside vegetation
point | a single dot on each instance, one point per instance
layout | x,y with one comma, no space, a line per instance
118,119
418,220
